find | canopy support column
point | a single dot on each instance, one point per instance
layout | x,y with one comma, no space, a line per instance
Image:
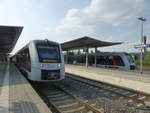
87,54
66,57
95,57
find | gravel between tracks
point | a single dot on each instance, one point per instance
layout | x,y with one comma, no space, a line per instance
101,99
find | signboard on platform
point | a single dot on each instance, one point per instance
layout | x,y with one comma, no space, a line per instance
141,46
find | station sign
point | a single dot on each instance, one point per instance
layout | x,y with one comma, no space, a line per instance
141,46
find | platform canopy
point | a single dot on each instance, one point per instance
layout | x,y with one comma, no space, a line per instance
85,42
8,38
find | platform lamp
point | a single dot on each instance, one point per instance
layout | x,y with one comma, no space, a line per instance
141,58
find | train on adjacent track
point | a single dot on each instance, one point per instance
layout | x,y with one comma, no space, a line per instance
115,60
41,60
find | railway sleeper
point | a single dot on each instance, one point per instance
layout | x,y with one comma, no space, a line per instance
142,97
74,106
76,110
126,93
133,95
67,105
61,98
62,102
57,95
52,92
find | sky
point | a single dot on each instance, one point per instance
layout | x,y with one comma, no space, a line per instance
64,20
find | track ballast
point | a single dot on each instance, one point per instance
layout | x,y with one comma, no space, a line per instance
138,97
63,101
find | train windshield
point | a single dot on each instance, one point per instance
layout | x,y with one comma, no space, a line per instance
49,54
129,57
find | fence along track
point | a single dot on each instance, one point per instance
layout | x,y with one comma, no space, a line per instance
63,101
138,97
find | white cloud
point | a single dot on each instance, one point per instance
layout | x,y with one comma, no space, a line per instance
99,17
99,14
109,38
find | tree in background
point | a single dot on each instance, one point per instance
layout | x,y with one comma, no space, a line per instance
147,59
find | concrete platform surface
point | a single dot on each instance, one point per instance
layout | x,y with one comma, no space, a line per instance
16,94
132,80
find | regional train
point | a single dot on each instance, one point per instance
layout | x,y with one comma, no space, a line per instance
41,60
115,60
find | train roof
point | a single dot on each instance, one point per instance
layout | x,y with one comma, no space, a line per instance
112,53
37,42
105,53
43,42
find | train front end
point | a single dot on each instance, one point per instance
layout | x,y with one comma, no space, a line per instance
50,64
130,62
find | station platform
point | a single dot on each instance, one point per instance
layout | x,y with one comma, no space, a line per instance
16,94
132,80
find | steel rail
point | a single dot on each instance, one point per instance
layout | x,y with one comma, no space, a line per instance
113,85
56,107
86,105
46,99
135,99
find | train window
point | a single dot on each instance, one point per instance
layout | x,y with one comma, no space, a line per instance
117,60
26,59
48,53
27,55
104,60
110,60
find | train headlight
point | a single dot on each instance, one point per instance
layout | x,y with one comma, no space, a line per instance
43,65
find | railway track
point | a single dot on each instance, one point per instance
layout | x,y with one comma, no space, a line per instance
142,99
62,101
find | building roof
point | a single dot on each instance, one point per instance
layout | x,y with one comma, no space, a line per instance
86,42
8,38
